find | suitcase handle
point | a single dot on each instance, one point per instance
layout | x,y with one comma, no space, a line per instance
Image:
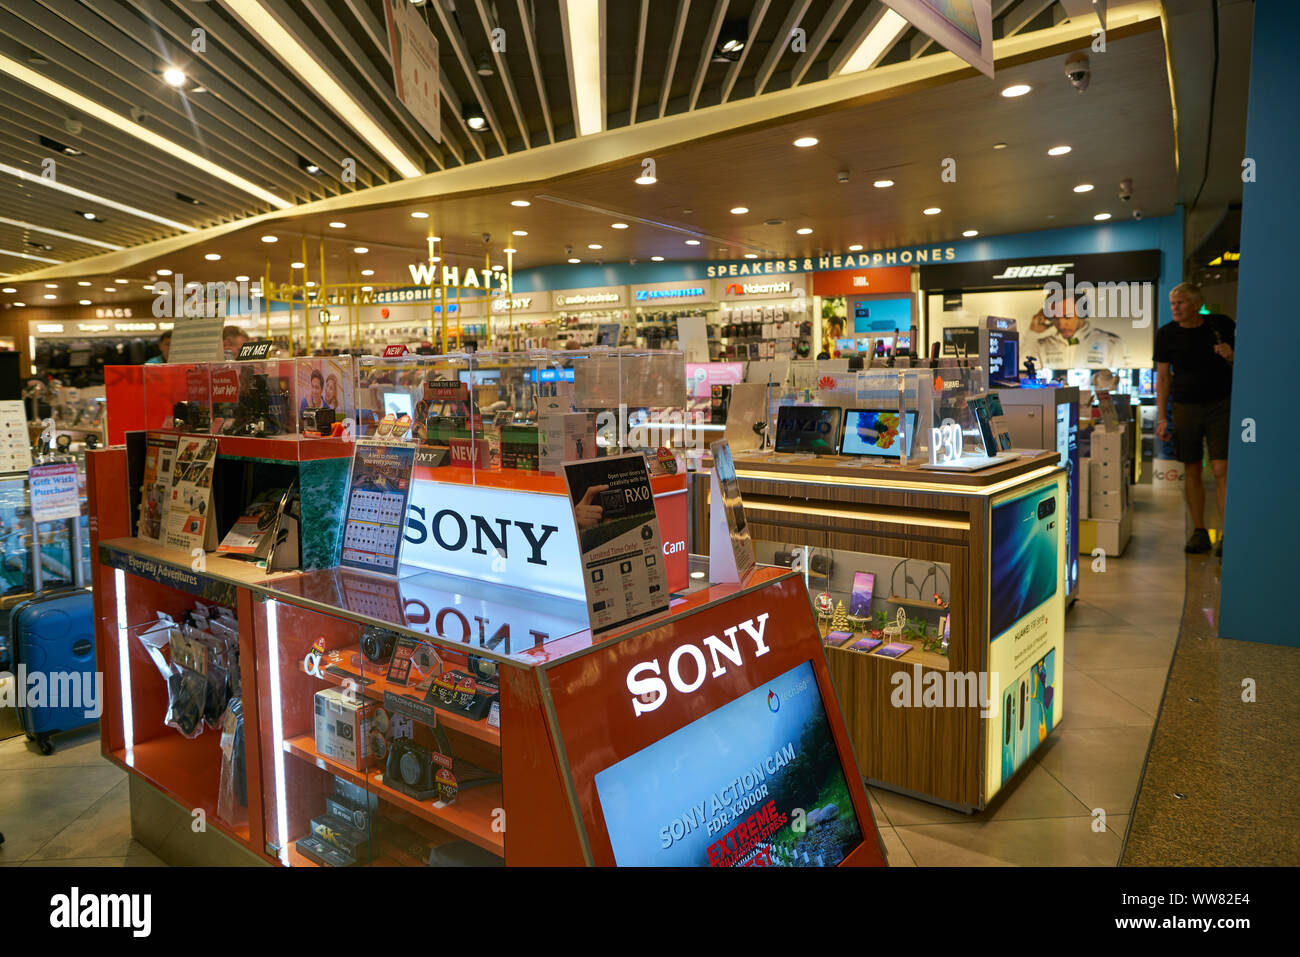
74,555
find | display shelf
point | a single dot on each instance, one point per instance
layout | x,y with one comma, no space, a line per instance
469,817
916,603
119,552
379,686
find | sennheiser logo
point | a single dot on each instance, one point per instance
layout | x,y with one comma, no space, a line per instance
644,294
75,910
1038,269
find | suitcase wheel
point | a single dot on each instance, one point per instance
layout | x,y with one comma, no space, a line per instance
46,746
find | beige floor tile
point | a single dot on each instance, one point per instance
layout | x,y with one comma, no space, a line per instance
35,805
74,749
1099,766
1089,704
1141,687
104,830
895,850
1105,649
1052,842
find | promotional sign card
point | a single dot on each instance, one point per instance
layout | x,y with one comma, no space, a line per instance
188,524
159,458
731,550
15,443
254,532
378,493
53,491
618,537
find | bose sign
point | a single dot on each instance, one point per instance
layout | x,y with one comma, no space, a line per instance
525,540
1034,271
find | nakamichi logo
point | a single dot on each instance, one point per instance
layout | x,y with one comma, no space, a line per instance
78,911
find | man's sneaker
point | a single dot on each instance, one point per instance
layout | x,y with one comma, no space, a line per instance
1218,546
1199,543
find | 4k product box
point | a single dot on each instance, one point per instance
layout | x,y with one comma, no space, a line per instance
342,725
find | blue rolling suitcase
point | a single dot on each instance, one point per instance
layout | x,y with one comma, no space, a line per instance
53,645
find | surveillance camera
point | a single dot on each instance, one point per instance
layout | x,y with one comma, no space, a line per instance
1138,214
487,238
842,176
1126,190
72,125
1077,72
137,114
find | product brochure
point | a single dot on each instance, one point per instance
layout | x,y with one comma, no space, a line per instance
188,523
731,550
377,498
895,649
618,536
159,457
254,532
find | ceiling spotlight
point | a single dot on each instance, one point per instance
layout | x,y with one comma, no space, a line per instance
739,210
51,144
310,284
618,225
270,239
999,146
595,246
9,289
574,259
184,198
309,166
1016,89
337,225
856,248
692,242
1102,217
518,232
367,288
645,179
751,255
932,211
883,183
173,77
968,233
484,67
88,216
123,282
161,272
50,295
731,40
656,259
20,304
210,257
83,302
361,250
804,142
110,289
1058,151
510,249
419,215
296,266
804,230
520,202
241,279
474,117
51,285
1083,188
367,272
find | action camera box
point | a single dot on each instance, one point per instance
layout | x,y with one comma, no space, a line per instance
342,725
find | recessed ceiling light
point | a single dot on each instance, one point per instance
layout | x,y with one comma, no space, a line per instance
212,257
646,180
1102,217
161,272
883,183
1058,151
856,248
574,260
20,304
110,289
510,249
83,302
520,202
1016,89
968,233
361,250
174,77
50,295
310,283
9,289
692,242
295,265
1083,188
595,246
122,282
656,259
367,272
740,210
337,225
751,255
87,215
419,215
999,146
270,239
367,288
51,285
518,232
618,225
241,279
932,211
804,230
804,142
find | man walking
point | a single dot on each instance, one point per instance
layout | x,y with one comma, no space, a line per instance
1194,360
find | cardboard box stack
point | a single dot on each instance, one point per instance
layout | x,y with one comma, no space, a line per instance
1107,484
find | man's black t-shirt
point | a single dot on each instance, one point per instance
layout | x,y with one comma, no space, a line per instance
1199,373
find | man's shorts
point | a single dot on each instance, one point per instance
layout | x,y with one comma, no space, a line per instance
1195,422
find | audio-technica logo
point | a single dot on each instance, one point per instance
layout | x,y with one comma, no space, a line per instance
773,702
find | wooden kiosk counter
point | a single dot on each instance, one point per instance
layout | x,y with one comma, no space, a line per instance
962,572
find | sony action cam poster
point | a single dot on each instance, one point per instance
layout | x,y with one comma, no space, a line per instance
155,491
731,550
1026,627
769,787
323,383
188,524
619,540
377,499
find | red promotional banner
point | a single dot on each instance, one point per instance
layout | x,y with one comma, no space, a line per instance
861,282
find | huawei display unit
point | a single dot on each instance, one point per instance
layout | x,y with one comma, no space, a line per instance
808,428
877,432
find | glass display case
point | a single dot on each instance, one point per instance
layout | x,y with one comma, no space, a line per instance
57,548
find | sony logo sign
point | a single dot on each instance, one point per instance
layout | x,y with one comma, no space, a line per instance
452,533
649,693
1041,269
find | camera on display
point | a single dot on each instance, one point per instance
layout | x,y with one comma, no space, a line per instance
377,644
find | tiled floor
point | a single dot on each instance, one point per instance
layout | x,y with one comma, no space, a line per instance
72,808
1119,640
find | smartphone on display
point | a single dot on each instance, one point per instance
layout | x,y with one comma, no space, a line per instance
877,432
808,428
